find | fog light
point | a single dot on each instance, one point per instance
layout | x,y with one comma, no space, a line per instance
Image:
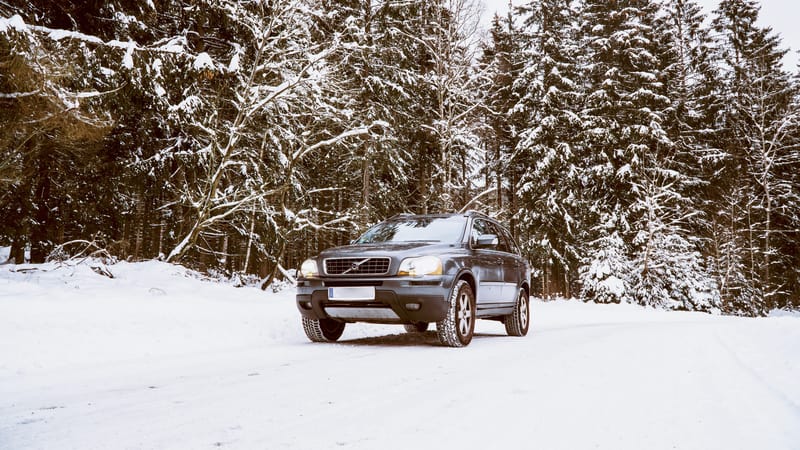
412,306
305,305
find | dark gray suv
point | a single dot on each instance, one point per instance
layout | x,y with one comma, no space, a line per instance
449,269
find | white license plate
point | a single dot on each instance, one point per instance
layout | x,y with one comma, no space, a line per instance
359,293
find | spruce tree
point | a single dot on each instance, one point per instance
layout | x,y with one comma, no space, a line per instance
53,126
624,139
670,269
501,122
549,144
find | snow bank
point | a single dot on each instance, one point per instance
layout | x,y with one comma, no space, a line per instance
64,315
784,313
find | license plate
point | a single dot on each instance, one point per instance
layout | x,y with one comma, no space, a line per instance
358,293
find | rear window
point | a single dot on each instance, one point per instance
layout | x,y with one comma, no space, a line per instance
416,229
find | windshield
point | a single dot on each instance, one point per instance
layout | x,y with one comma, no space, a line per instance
426,229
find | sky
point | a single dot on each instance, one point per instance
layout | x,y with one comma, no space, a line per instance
781,15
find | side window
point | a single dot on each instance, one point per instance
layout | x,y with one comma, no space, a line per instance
479,227
511,244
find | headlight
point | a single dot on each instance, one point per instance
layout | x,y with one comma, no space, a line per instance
309,269
425,265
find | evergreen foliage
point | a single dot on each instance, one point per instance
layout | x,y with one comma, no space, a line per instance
638,154
549,144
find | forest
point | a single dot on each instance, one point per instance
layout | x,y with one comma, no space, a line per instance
638,150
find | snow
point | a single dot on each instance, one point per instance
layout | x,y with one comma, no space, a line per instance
13,95
188,105
58,35
14,22
158,358
234,64
159,90
784,313
203,62
127,60
614,286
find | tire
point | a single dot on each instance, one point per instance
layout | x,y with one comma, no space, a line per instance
419,327
517,323
458,326
323,330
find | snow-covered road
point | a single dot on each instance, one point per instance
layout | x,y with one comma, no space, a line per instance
157,359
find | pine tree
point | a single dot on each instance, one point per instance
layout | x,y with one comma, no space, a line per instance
53,126
624,137
604,276
449,39
669,268
500,123
549,145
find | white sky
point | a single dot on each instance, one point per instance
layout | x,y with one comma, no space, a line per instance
781,15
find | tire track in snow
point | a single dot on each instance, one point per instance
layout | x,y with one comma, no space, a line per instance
756,377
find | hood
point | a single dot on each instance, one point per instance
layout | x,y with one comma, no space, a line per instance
392,249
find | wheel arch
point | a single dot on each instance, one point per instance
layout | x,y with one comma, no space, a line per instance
526,288
467,276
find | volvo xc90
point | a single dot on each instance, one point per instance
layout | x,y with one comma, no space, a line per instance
447,269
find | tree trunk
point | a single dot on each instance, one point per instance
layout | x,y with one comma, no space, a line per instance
365,186
268,281
249,241
40,231
139,224
17,250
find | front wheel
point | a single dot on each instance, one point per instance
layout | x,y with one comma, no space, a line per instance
517,322
458,326
323,330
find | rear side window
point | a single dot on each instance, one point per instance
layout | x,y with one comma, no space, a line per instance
510,241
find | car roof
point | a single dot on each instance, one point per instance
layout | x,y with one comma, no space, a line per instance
440,215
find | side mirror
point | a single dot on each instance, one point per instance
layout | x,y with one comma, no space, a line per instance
487,241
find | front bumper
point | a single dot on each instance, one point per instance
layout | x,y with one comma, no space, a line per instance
397,299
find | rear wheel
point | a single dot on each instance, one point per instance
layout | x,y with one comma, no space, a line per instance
418,327
458,326
323,330
517,323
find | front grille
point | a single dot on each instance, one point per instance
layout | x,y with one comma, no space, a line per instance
357,266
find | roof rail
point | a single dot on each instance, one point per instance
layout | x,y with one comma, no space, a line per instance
475,211
474,199
401,215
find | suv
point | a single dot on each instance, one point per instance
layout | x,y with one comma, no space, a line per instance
416,269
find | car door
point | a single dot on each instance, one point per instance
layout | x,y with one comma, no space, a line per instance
487,267
513,265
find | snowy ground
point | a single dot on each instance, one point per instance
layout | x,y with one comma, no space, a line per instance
155,358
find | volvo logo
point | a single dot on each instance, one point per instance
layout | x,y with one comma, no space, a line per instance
354,266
